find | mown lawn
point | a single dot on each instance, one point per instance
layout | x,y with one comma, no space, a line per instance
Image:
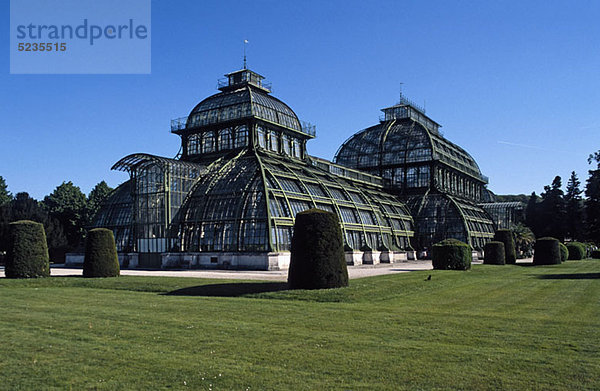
494,327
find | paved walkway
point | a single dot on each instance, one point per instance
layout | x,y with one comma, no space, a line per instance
275,275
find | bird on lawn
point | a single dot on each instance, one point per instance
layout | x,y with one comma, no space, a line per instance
428,278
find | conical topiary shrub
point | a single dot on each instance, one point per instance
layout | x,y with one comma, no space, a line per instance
494,253
317,259
101,259
510,253
451,254
27,255
547,252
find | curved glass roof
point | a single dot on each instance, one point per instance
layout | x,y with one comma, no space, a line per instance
402,142
248,203
442,216
246,101
141,161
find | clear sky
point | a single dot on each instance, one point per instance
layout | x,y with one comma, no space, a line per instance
516,84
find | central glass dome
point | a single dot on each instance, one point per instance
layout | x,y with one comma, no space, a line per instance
245,101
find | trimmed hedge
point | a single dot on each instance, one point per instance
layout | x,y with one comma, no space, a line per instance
510,252
547,252
494,254
27,255
576,251
317,257
101,259
564,252
451,254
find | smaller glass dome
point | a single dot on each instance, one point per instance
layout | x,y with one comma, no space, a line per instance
403,142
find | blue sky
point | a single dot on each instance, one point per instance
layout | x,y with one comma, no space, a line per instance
514,83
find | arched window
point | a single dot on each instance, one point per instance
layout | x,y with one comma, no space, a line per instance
286,144
274,141
262,137
241,136
225,139
295,148
411,177
192,145
423,176
208,142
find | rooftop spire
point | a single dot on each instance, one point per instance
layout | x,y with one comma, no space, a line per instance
245,43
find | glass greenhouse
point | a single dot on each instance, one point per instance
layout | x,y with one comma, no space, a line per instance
229,199
230,196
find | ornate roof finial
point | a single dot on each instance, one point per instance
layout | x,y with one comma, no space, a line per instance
245,43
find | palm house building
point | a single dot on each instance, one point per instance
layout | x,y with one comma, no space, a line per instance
229,198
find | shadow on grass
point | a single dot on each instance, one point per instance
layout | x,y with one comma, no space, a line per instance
230,289
571,276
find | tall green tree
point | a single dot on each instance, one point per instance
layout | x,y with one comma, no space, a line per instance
552,216
95,199
531,213
574,208
592,202
5,195
68,205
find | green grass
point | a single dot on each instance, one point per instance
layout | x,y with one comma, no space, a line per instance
493,327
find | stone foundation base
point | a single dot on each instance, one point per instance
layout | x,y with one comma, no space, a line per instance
355,258
230,260
236,261
126,260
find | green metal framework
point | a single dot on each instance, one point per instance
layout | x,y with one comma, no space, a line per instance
440,216
157,189
504,214
242,115
409,156
440,181
248,203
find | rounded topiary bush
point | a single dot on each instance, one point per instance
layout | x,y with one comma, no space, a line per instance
317,258
547,252
564,252
27,255
510,253
494,253
576,251
451,254
101,258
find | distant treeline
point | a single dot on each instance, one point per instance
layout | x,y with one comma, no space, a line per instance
66,213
